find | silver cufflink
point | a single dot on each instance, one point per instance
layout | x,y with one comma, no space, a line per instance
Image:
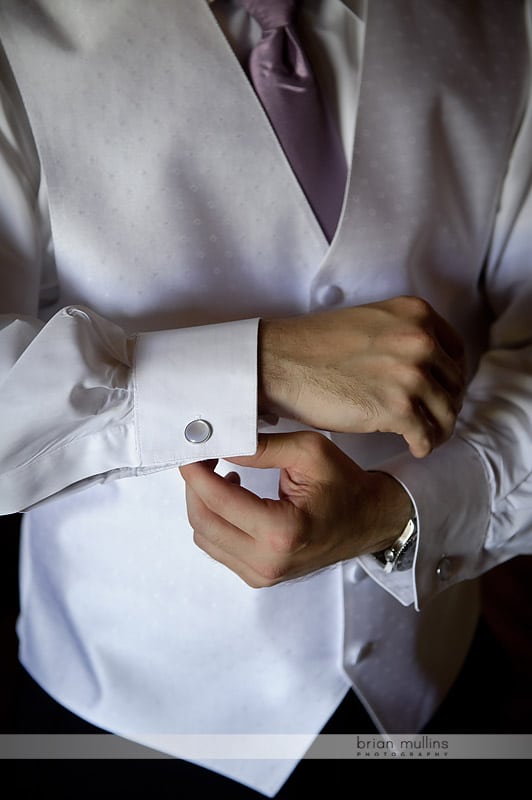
198,431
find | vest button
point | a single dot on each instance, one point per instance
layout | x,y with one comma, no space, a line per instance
357,574
329,296
443,570
357,652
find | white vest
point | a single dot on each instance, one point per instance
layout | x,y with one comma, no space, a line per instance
166,186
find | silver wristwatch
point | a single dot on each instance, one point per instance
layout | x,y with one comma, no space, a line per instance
400,555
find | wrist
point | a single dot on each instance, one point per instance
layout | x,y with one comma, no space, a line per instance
391,508
273,383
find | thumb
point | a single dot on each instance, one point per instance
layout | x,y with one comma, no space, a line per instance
304,450
189,470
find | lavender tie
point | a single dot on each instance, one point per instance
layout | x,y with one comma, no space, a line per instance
285,84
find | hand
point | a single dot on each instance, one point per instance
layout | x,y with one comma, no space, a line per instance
394,366
329,510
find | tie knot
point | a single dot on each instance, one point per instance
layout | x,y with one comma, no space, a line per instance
270,14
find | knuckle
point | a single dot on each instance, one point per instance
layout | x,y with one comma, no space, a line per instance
207,538
412,380
253,583
413,344
272,572
193,517
408,416
198,539
410,419
416,307
405,403
288,540
424,343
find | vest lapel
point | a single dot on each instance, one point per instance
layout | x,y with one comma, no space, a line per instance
165,178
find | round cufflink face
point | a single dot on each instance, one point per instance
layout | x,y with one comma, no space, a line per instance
198,431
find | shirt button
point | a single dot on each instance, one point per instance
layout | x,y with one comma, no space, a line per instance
198,431
329,295
357,652
357,574
443,570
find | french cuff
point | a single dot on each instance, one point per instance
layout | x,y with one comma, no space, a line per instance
196,393
452,501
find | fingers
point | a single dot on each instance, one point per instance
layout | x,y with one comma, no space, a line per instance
426,318
244,571
449,374
222,541
419,431
446,354
449,339
275,522
212,528
424,414
448,385
227,498
430,379
438,410
305,453
442,390
315,522
266,570
262,559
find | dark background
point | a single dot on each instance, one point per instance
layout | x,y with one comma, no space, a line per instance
493,695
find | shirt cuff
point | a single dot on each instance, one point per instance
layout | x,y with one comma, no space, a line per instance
196,393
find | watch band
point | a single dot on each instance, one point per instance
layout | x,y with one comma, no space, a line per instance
400,555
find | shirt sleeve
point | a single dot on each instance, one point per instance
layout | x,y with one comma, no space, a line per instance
473,496
81,401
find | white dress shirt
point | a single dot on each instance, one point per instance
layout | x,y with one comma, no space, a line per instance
131,298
